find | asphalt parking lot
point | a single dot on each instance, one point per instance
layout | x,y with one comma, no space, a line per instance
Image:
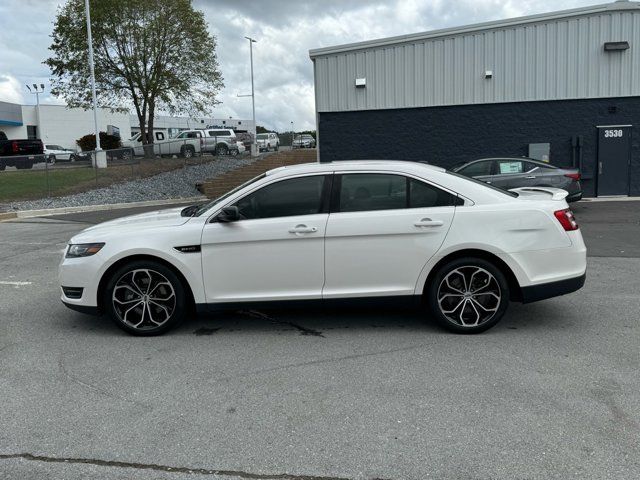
552,392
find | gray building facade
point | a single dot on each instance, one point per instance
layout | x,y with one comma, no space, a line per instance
568,79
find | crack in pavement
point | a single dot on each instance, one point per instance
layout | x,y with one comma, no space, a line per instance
167,468
300,328
63,369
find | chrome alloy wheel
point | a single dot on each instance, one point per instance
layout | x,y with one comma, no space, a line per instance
469,296
144,299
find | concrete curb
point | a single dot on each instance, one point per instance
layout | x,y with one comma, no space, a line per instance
96,208
610,199
7,216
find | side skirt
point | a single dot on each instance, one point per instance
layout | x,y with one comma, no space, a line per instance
403,301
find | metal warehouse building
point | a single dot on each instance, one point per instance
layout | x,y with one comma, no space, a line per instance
562,86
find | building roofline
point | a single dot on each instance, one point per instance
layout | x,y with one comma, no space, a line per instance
619,5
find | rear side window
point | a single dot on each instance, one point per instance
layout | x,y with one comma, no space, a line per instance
287,198
506,167
374,191
423,195
477,169
219,133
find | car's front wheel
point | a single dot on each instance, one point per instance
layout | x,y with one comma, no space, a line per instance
468,295
145,298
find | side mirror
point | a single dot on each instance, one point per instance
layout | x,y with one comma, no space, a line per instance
229,214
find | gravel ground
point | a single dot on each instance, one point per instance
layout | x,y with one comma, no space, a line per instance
174,184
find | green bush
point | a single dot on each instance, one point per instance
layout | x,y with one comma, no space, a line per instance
107,142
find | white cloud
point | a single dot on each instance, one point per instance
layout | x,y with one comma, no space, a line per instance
10,89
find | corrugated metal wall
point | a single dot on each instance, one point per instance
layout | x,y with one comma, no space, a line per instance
556,59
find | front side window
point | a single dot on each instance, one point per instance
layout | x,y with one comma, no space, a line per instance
373,191
287,198
477,169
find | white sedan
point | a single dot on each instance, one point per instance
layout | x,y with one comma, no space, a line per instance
373,231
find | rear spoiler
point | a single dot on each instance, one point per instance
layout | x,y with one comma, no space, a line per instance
556,193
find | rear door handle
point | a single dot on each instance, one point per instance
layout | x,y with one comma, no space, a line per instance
427,222
299,229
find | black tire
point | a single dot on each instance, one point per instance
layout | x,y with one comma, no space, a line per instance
277,147
72,158
187,151
222,149
51,160
127,155
176,311
234,152
2,166
447,290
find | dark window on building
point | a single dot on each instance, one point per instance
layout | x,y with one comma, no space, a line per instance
32,132
297,196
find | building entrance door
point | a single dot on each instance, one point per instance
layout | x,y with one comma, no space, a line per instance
614,155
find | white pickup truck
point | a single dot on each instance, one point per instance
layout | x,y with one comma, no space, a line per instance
184,147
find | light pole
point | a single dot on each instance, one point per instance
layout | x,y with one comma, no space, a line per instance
37,91
253,98
293,135
96,162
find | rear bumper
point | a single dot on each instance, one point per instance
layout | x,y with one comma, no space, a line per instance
543,291
574,197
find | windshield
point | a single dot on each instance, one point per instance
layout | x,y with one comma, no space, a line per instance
208,205
479,182
261,136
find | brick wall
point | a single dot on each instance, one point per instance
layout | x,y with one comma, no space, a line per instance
447,136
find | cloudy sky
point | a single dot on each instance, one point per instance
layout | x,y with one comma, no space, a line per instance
285,31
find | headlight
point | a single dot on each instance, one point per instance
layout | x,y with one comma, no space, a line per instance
83,249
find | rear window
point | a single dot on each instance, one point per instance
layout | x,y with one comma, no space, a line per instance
479,182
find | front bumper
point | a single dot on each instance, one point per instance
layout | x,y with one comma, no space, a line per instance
87,310
543,291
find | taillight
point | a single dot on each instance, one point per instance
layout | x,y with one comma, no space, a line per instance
566,219
14,147
573,176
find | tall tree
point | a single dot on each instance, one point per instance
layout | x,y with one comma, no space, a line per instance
154,55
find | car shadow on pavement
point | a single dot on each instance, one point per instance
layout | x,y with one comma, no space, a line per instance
544,316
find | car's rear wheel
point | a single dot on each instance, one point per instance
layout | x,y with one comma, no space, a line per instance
145,298
468,295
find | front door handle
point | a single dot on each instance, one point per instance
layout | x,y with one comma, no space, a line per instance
427,222
530,177
299,229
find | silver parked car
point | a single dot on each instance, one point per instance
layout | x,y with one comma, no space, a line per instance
509,173
304,141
